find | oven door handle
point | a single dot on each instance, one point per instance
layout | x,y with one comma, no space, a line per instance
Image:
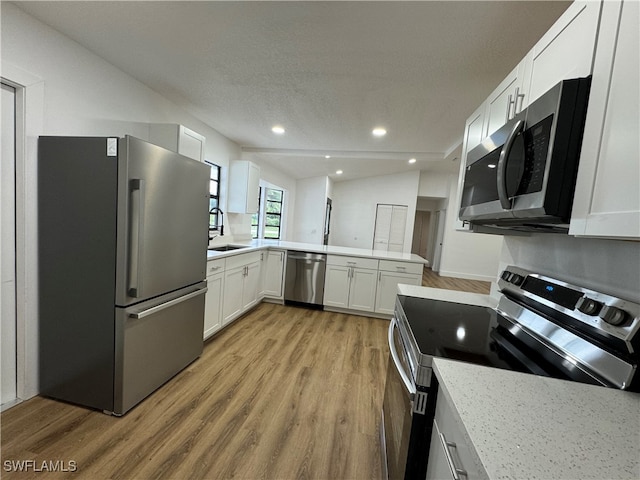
396,360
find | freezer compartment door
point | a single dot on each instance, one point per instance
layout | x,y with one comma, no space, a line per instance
163,220
154,341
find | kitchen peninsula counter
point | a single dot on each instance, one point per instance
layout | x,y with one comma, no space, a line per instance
315,248
525,426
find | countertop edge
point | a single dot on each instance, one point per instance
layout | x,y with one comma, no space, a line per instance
312,248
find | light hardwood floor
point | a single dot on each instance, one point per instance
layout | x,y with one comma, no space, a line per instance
432,279
282,393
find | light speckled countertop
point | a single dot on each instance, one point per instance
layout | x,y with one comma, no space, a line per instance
315,248
524,426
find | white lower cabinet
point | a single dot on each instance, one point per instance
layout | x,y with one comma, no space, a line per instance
213,304
241,285
350,282
214,297
273,274
450,449
390,275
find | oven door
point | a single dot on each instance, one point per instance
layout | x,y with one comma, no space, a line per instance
403,426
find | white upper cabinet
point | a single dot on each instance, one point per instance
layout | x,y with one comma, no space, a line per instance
505,101
565,51
178,138
607,198
244,179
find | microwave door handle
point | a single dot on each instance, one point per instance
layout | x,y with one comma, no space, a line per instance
501,174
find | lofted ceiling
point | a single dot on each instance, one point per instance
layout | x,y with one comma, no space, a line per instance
328,72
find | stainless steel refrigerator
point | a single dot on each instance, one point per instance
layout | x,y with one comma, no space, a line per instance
123,232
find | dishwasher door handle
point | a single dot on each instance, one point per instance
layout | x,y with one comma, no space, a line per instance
308,259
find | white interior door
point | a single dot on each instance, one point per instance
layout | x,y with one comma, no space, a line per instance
391,221
8,388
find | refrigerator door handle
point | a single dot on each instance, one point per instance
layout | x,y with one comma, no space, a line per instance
170,303
136,198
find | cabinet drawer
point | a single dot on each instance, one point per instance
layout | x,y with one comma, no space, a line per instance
357,262
452,441
242,259
215,266
401,267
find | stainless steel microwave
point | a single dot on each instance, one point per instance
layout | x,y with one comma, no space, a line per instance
522,177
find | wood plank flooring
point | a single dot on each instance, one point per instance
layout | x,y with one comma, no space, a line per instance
432,279
283,393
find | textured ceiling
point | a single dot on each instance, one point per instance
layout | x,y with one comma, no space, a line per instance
327,71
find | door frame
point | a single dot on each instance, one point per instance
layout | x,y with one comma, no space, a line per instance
29,125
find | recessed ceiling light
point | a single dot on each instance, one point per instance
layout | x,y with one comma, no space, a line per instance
277,129
338,172
492,165
412,160
327,156
379,132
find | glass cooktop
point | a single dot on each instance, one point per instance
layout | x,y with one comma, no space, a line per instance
457,331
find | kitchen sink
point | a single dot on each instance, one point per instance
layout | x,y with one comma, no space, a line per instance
227,248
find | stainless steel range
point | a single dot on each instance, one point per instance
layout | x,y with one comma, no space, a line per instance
541,326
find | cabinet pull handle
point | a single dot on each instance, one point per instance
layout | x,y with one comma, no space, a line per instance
510,102
519,96
379,277
455,471
351,263
402,269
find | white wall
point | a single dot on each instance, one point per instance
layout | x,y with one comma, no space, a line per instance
464,254
610,266
73,92
354,207
308,224
434,185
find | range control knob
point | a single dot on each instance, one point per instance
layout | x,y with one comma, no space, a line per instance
506,275
613,315
588,306
516,279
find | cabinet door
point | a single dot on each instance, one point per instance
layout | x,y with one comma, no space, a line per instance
244,179
504,101
336,286
191,144
251,285
607,198
272,274
233,284
388,289
362,291
473,131
566,50
213,304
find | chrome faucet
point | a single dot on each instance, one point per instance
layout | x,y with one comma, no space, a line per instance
214,210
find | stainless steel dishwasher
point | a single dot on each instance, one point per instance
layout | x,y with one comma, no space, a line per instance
304,280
